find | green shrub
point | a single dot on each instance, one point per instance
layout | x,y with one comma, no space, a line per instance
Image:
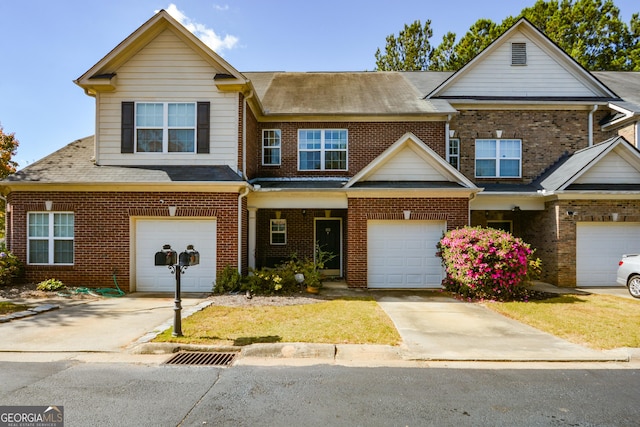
10,267
486,263
229,280
50,285
282,278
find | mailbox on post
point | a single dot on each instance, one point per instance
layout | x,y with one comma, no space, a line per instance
177,264
166,256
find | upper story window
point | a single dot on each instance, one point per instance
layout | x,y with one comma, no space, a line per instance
271,149
498,158
453,153
322,149
50,238
165,127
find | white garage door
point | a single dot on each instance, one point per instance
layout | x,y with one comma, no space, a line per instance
599,247
401,254
152,234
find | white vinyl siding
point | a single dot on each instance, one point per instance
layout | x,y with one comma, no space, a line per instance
543,75
406,165
613,169
168,70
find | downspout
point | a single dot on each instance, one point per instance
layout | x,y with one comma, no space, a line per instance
6,222
446,137
240,197
595,107
244,135
244,176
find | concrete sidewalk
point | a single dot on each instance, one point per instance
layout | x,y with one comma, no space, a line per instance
433,327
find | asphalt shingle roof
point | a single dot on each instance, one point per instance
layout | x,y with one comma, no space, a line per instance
73,164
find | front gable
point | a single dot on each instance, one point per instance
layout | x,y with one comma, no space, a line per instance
103,76
163,65
608,165
522,64
409,160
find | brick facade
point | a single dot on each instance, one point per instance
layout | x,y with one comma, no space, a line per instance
102,230
300,234
367,140
546,136
455,211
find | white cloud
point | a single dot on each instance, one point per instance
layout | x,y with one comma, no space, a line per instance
221,8
207,35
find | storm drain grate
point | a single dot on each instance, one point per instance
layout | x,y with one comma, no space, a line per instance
201,358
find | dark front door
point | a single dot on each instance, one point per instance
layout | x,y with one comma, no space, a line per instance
329,237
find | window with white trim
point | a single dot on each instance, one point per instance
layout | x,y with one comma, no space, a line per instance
271,147
322,149
165,127
50,238
498,158
278,231
453,153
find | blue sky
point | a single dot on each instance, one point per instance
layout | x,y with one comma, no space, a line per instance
45,45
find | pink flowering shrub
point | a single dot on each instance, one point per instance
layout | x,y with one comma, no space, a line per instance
487,263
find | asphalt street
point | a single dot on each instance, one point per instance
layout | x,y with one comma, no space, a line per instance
122,394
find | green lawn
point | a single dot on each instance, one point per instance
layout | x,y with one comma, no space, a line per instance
339,321
7,307
597,321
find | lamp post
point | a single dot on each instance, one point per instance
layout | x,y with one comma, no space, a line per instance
177,264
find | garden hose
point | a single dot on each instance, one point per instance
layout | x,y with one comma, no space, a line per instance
98,292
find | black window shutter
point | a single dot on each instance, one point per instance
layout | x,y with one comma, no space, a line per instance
128,128
203,127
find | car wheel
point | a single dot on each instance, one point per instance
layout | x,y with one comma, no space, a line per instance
634,285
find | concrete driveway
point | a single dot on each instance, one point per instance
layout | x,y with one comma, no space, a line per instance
96,325
441,328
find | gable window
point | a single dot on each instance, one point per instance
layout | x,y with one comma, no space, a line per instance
271,141
50,238
322,149
453,153
165,127
518,54
278,231
498,158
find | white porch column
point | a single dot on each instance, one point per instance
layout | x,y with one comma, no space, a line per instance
251,231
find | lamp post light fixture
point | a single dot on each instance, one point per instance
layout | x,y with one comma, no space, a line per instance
177,264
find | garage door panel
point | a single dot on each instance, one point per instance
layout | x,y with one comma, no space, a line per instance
599,247
152,234
401,254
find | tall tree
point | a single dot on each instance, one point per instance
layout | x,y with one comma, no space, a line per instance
591,31
8,146
409,51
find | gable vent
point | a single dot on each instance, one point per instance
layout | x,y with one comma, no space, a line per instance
518,54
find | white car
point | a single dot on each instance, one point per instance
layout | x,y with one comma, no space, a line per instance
629,273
